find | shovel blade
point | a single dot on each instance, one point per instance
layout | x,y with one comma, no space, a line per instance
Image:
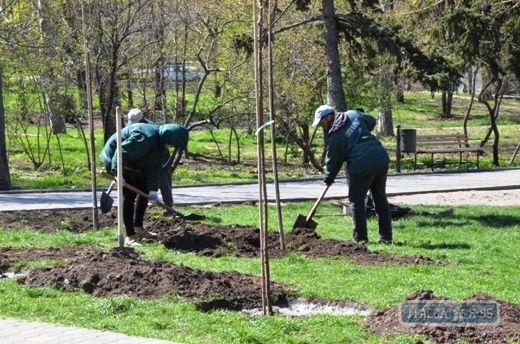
194,217
105,202
301,222
191,216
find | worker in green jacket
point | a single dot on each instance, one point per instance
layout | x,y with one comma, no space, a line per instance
136,116
350,141
143,149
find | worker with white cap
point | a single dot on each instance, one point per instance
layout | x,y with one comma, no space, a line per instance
136,116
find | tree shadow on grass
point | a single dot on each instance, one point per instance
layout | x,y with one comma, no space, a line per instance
486,220
496,221
443,246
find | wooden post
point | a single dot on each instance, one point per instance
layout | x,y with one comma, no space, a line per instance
120,237
398,151
95,215
270,18
262,189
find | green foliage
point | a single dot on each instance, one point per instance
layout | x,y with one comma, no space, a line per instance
420,111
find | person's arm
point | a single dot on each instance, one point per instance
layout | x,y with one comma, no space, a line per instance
335,160
371,121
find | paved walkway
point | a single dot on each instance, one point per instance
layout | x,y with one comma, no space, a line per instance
14,331
303,190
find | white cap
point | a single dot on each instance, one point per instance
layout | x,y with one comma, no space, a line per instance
134,116
321,112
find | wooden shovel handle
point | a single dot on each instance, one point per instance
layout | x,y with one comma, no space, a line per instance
315,206
142,194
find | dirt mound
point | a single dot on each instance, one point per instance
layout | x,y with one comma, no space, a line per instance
9,256
211,241
106,273
386,322
241,241
117,273
48,221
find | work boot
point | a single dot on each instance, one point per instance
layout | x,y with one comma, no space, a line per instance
384,241
360,241
144,234
133,241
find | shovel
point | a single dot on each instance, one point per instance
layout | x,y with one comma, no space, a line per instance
142,194
105,202
306,221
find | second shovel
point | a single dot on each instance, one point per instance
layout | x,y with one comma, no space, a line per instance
306,221
105,202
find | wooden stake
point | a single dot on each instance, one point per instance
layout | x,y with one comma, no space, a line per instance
262,188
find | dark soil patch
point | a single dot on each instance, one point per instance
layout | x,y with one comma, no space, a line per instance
49,221
386,322
240,241
103,273
211,241
117,273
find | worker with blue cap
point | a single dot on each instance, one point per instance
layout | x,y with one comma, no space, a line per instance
350,140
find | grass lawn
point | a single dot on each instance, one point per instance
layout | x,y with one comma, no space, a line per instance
478,247
218,157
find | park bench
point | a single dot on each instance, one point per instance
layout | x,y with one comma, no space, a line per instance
445,144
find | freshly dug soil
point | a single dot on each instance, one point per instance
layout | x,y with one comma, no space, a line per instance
211,241
112,272
106,272
386,322
239,241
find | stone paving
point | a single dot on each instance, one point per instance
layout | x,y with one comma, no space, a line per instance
291,191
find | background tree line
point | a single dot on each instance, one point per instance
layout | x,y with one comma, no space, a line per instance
347,53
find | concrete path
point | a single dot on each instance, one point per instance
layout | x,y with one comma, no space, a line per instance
303,190
14,331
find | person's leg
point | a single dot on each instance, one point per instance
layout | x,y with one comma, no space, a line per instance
142,203
128,211
357,192
382,208
166,187
140,209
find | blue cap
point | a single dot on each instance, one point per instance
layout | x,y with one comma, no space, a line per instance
321,112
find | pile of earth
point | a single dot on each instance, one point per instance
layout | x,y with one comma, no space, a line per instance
103,272
117,273
386,322
107,272
211,240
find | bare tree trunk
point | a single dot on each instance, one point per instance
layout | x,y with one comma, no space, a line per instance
305,138
5,177
386,124
493,114
471,78
335,84
447,100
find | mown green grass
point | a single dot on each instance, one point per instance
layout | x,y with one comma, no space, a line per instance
477,247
